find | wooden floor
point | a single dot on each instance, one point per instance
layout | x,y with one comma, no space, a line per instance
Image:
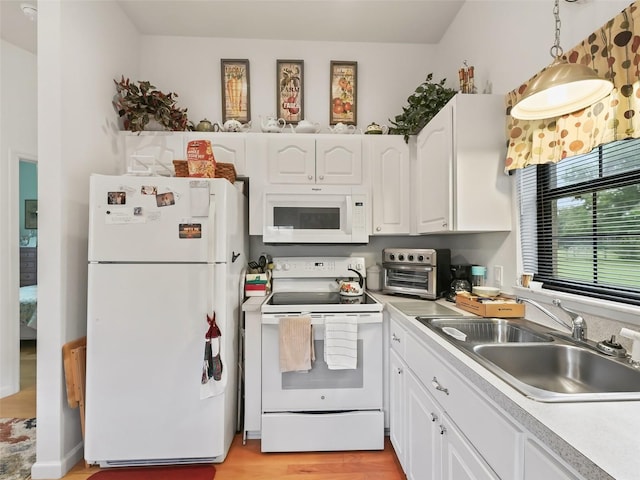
243,462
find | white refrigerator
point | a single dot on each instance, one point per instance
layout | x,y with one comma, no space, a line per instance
164,253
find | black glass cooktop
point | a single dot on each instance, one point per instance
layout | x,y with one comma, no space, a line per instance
317,298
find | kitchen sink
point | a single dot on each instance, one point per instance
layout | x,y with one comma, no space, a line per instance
559,372
495,330
542,363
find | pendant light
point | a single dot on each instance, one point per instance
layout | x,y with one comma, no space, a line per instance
562,88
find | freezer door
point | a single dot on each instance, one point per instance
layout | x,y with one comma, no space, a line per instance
159,219
146,328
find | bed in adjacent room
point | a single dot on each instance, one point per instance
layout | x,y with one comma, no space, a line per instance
28,292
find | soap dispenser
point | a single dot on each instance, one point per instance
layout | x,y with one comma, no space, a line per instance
635,349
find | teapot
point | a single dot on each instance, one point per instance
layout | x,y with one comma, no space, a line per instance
375,129
234,125
305,126
273,124
352,288
342,128
206,126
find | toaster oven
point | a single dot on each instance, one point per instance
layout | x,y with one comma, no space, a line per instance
422,272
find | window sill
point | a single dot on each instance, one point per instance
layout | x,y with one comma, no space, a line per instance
619,312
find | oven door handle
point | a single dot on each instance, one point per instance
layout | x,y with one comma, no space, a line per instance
411,268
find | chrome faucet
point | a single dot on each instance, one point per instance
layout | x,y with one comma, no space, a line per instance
578,325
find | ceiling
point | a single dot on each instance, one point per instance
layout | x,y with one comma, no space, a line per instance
387,21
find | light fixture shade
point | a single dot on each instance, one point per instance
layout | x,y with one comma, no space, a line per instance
562,88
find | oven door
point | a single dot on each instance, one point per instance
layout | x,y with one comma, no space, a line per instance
412,280
307,214
321,389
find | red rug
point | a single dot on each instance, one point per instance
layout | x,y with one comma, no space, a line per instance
182,472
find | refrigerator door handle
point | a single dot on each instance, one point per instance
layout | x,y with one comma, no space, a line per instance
211,235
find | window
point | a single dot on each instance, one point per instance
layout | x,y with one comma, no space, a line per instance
580,222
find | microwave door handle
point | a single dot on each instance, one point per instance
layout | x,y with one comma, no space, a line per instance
349,214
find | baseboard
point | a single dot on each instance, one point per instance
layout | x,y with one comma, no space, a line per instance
53,470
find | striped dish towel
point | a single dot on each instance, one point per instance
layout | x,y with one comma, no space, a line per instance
341,342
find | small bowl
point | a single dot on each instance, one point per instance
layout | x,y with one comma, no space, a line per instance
486,291
533,285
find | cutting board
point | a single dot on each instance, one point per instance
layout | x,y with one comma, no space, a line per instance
425,308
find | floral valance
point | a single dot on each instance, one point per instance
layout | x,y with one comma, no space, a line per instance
613,52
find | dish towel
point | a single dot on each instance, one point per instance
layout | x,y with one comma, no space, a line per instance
295,344
341,342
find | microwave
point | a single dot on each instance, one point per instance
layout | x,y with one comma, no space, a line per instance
316,214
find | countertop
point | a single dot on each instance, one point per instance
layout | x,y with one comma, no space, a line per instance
600,440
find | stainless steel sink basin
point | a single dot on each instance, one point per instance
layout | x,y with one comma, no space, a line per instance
540,362
558,372
487,330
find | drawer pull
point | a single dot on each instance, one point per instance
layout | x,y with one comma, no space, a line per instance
434,417
443,429
439,387
395,338
399,371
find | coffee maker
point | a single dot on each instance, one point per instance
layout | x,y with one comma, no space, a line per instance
461,275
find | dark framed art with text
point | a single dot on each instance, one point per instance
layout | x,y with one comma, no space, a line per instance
290,94
344,82
236,102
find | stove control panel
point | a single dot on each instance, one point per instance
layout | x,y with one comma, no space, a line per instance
410,256
315,267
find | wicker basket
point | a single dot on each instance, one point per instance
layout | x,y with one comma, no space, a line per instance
226,170
223,170
181,167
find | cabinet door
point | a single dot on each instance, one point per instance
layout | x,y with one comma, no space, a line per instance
424,434
538,463
389,159
433,176
460,460
339,160
397,394
152,153
227,147
291,159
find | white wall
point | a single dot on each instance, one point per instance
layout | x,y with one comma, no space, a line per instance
387,74
18,137
82,47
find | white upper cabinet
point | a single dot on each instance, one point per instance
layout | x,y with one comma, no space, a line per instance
459,184
389,159
154,152
314,159
228,147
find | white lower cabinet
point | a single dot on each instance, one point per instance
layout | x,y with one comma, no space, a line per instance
428,444
539,463
443,427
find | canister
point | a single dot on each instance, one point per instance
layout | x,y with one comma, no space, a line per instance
374,281
478,275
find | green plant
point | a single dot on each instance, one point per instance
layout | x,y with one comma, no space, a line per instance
139,103
428,99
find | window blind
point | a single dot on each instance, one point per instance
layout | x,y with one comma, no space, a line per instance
580,222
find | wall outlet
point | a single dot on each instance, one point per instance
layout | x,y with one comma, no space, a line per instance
497,275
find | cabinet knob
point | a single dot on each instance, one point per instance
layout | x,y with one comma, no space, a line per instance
321,177
439,387
399,371
395,338
378,229
434,417
310,177
443,429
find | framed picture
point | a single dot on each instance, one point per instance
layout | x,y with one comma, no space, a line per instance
344,82
30,214
236,103
290,94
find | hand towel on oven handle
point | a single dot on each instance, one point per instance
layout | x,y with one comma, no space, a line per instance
295,344
341,342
